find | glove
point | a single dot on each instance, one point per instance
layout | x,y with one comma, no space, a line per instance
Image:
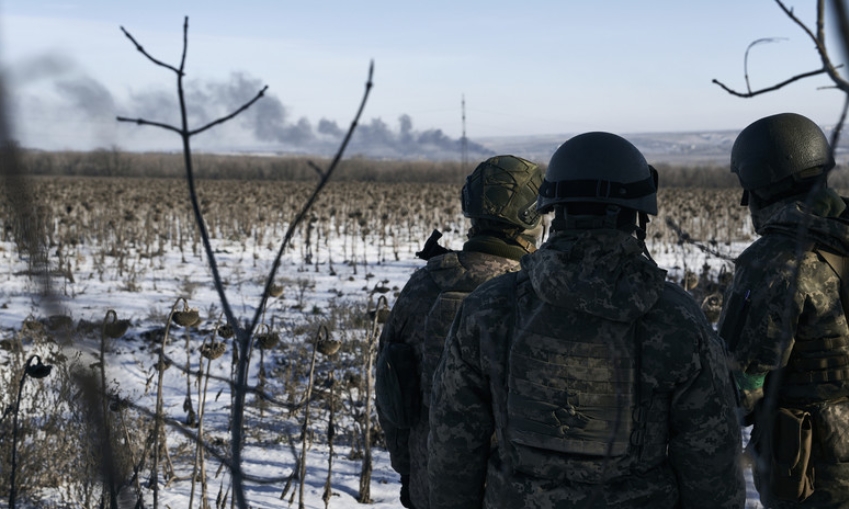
405,492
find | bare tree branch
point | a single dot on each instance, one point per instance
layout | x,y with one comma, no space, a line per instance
228,117
685,238
243,334
842,24
746,56
242,371
324,179
772,88
141,121
145,53
819,40
185,44
316,168
835,135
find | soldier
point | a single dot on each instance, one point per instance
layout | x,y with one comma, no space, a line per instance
499,198
604,385
785,316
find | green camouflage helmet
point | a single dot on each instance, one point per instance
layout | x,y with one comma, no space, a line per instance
504,189
599,167
776,147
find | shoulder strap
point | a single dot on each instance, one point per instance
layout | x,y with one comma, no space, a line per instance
644,393
840,265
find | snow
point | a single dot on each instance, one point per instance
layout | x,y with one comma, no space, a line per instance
148,288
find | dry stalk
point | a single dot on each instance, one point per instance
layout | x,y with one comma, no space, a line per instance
158,431
37,370
331,432
302,464
370,346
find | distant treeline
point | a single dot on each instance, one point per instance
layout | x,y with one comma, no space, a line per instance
118,163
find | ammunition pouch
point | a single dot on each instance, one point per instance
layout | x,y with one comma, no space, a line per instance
397,389
786,472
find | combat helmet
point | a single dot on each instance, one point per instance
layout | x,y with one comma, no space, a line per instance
780,155
602,168
503,191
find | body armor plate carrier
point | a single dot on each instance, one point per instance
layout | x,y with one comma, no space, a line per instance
572,395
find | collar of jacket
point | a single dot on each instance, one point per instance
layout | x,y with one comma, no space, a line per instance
494,246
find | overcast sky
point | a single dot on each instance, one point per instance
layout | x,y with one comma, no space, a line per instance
524,68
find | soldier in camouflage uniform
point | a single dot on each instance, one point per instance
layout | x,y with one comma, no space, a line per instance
499,198
785,315
604,385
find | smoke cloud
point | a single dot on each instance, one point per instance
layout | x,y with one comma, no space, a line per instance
60,106
267,125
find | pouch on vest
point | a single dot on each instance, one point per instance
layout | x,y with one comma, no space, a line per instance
832,432
791,474
397,391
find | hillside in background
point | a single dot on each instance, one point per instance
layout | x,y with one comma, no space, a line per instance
707,148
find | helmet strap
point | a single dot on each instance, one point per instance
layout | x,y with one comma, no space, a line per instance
640,230
784,189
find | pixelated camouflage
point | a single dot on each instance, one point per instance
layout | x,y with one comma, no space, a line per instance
784,311
421,318
586,282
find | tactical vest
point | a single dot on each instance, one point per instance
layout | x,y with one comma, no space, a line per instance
437,323
440,316
824,360
574,407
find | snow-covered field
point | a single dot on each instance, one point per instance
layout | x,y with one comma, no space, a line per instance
315,293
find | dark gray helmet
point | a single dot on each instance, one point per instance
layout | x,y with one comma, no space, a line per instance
776,147
599,167
504,189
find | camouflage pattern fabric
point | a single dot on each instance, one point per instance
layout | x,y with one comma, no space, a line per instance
784,311
421,319
689,454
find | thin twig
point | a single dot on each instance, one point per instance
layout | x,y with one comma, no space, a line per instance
141,121
686,238
746,56
772,88
146,54
228,117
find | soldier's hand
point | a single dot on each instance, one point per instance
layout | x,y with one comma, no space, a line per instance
405,492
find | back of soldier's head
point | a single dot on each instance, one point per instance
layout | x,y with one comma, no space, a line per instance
599,180
780,156
501,194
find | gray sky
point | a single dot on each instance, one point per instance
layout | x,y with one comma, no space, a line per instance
524,68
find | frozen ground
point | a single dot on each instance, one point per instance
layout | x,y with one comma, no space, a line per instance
147,288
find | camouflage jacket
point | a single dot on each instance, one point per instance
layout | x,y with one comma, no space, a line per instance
421,318
783,308
688,454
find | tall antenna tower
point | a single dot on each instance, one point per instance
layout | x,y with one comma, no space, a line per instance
464,146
